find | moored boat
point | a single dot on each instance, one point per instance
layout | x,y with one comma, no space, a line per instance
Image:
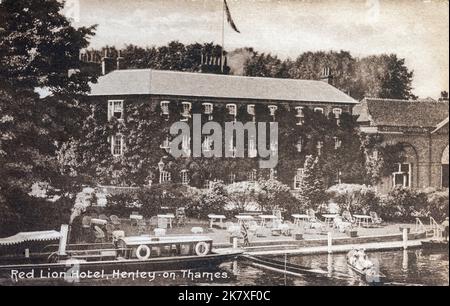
359,262
438,245
144,253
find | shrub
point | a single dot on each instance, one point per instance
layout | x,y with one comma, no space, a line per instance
355,198
209,201
275,195
437,204
403,204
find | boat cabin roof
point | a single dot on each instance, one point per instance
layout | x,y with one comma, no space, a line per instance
148,240
30,237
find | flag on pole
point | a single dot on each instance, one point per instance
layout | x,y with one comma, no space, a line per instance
229,19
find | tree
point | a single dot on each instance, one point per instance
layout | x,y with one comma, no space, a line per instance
383,76
37,48
312,190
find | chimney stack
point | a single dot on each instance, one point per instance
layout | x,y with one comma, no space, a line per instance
107,65
327,76
119,59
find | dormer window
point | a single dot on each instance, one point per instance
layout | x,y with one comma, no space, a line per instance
187,106
318,110
207,108
299,115
272,109
251,109
115,109
337,114
232,109
165,108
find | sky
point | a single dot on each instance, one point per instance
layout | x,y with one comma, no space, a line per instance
417,30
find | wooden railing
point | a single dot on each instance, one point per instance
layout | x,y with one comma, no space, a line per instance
420,227
436,227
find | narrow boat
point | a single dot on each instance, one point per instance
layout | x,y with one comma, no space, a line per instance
359,262
437,245
143,253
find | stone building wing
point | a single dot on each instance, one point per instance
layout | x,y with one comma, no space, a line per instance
400,113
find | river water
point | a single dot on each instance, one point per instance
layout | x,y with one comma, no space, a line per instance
411,267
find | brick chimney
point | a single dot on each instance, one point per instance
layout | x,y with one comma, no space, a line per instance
107,63
326,75
119,60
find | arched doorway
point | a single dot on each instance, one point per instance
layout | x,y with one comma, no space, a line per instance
444,171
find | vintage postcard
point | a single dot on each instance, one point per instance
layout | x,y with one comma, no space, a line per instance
224,142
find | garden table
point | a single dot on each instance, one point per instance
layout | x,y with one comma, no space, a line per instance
242,218
264,218
167,217
329,219
363,220
213,218
298,218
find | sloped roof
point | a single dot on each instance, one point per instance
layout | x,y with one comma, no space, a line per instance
440,125
30,236
391,112
172,83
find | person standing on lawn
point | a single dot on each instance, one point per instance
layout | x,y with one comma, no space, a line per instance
445,226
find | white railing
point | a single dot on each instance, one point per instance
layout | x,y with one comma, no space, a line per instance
436,227
420,227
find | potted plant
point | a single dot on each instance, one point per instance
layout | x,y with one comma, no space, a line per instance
353,233
298,234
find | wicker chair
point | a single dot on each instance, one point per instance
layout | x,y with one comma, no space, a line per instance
86,222
99,234
114,220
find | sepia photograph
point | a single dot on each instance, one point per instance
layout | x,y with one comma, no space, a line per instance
231,143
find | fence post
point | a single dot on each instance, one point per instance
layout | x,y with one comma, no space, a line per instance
405,238
235,243
330,243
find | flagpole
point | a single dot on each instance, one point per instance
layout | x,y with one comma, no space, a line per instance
223,37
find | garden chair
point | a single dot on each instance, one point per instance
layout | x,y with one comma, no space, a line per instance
341,225
153,222
347,216
86,222
142,226
109,230
114,220
375,218
180,216
314,222
99,234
